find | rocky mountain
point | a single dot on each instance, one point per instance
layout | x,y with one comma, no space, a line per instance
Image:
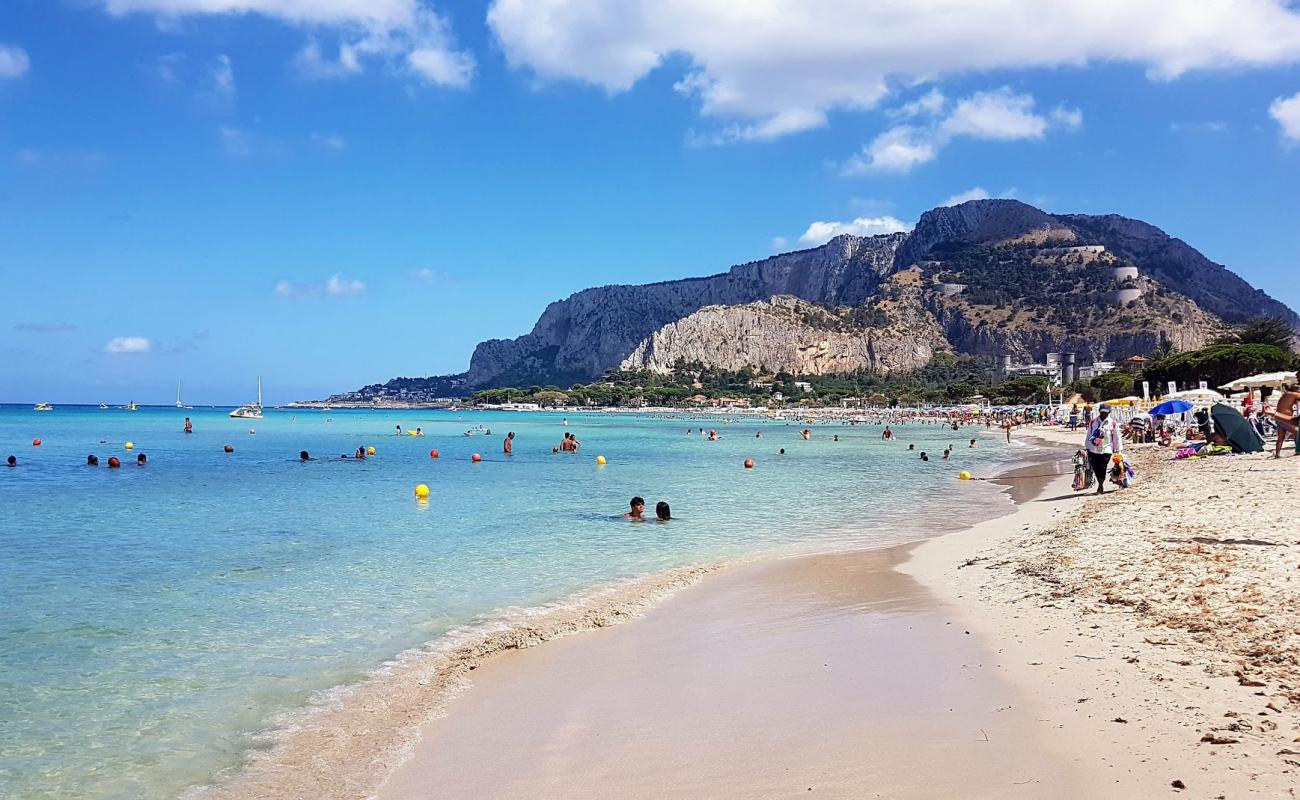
983,277
786,334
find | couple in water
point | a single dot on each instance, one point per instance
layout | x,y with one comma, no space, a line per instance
637,512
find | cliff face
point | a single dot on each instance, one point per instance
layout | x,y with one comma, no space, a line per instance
787,334
714,319
595,330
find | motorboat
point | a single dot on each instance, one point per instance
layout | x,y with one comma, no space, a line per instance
42,407
103,406
251,410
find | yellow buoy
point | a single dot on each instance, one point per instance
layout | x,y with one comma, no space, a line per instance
370,451
964,475
129,445
422,491
600,460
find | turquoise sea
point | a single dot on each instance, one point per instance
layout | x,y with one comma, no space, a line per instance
154,619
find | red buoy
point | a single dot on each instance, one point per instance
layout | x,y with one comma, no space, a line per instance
229,449
433,453
113,463
749,463
476,458
36,442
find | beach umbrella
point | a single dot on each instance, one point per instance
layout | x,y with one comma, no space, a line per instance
1275,379
1234,427
1169,407
1197,396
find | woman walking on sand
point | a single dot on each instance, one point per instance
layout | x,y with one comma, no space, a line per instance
1102,442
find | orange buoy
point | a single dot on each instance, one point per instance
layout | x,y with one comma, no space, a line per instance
476,458
749,463
113,463
36,442
433,453
229,449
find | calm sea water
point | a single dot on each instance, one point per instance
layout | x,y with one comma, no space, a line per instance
153,619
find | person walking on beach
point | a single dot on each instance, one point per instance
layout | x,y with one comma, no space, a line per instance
1102,442
507,446
1285,417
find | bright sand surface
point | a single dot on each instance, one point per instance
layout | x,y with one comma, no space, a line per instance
1080,647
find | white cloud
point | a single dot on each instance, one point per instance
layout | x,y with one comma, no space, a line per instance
128,344
751,62
1208,126
997,114
426,276
822,232
1286,110
406,35
898,149
330,141
235,141
779,243
336,286
974,193
13,61
221,79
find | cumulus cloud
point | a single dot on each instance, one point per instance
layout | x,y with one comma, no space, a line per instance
997,114
405,35
822,232
128,344
13,61
974,193
752,62
336,286
1286,110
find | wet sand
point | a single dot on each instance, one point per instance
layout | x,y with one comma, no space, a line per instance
834,675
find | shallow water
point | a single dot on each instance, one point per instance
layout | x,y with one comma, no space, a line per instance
153,619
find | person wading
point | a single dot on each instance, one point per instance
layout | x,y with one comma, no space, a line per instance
1103,441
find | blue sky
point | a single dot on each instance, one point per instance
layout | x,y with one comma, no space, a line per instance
335,192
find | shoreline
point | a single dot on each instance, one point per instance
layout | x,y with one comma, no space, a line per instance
348,738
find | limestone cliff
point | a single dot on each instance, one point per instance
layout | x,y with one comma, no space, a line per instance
786,334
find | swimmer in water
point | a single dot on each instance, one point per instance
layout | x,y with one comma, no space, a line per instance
806,434
888,434
636,510
924,457
911,447
92,460
399,430
303,455
507,446
972,443
782,452
419,431
837,438
361,453
140,460
189,426
12,461
662,512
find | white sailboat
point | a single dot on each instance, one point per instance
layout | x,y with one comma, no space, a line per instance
178,395
251,410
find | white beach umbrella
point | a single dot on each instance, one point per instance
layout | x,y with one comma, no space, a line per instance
1274,379
1197,396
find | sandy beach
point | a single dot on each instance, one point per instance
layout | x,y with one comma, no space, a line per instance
1080,647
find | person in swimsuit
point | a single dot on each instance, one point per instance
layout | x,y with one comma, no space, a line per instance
1284,416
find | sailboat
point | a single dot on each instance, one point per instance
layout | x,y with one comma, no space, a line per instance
251,410
178,395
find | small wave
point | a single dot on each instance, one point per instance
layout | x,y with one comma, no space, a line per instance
348,739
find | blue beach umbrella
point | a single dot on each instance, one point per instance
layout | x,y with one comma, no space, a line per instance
1172,407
